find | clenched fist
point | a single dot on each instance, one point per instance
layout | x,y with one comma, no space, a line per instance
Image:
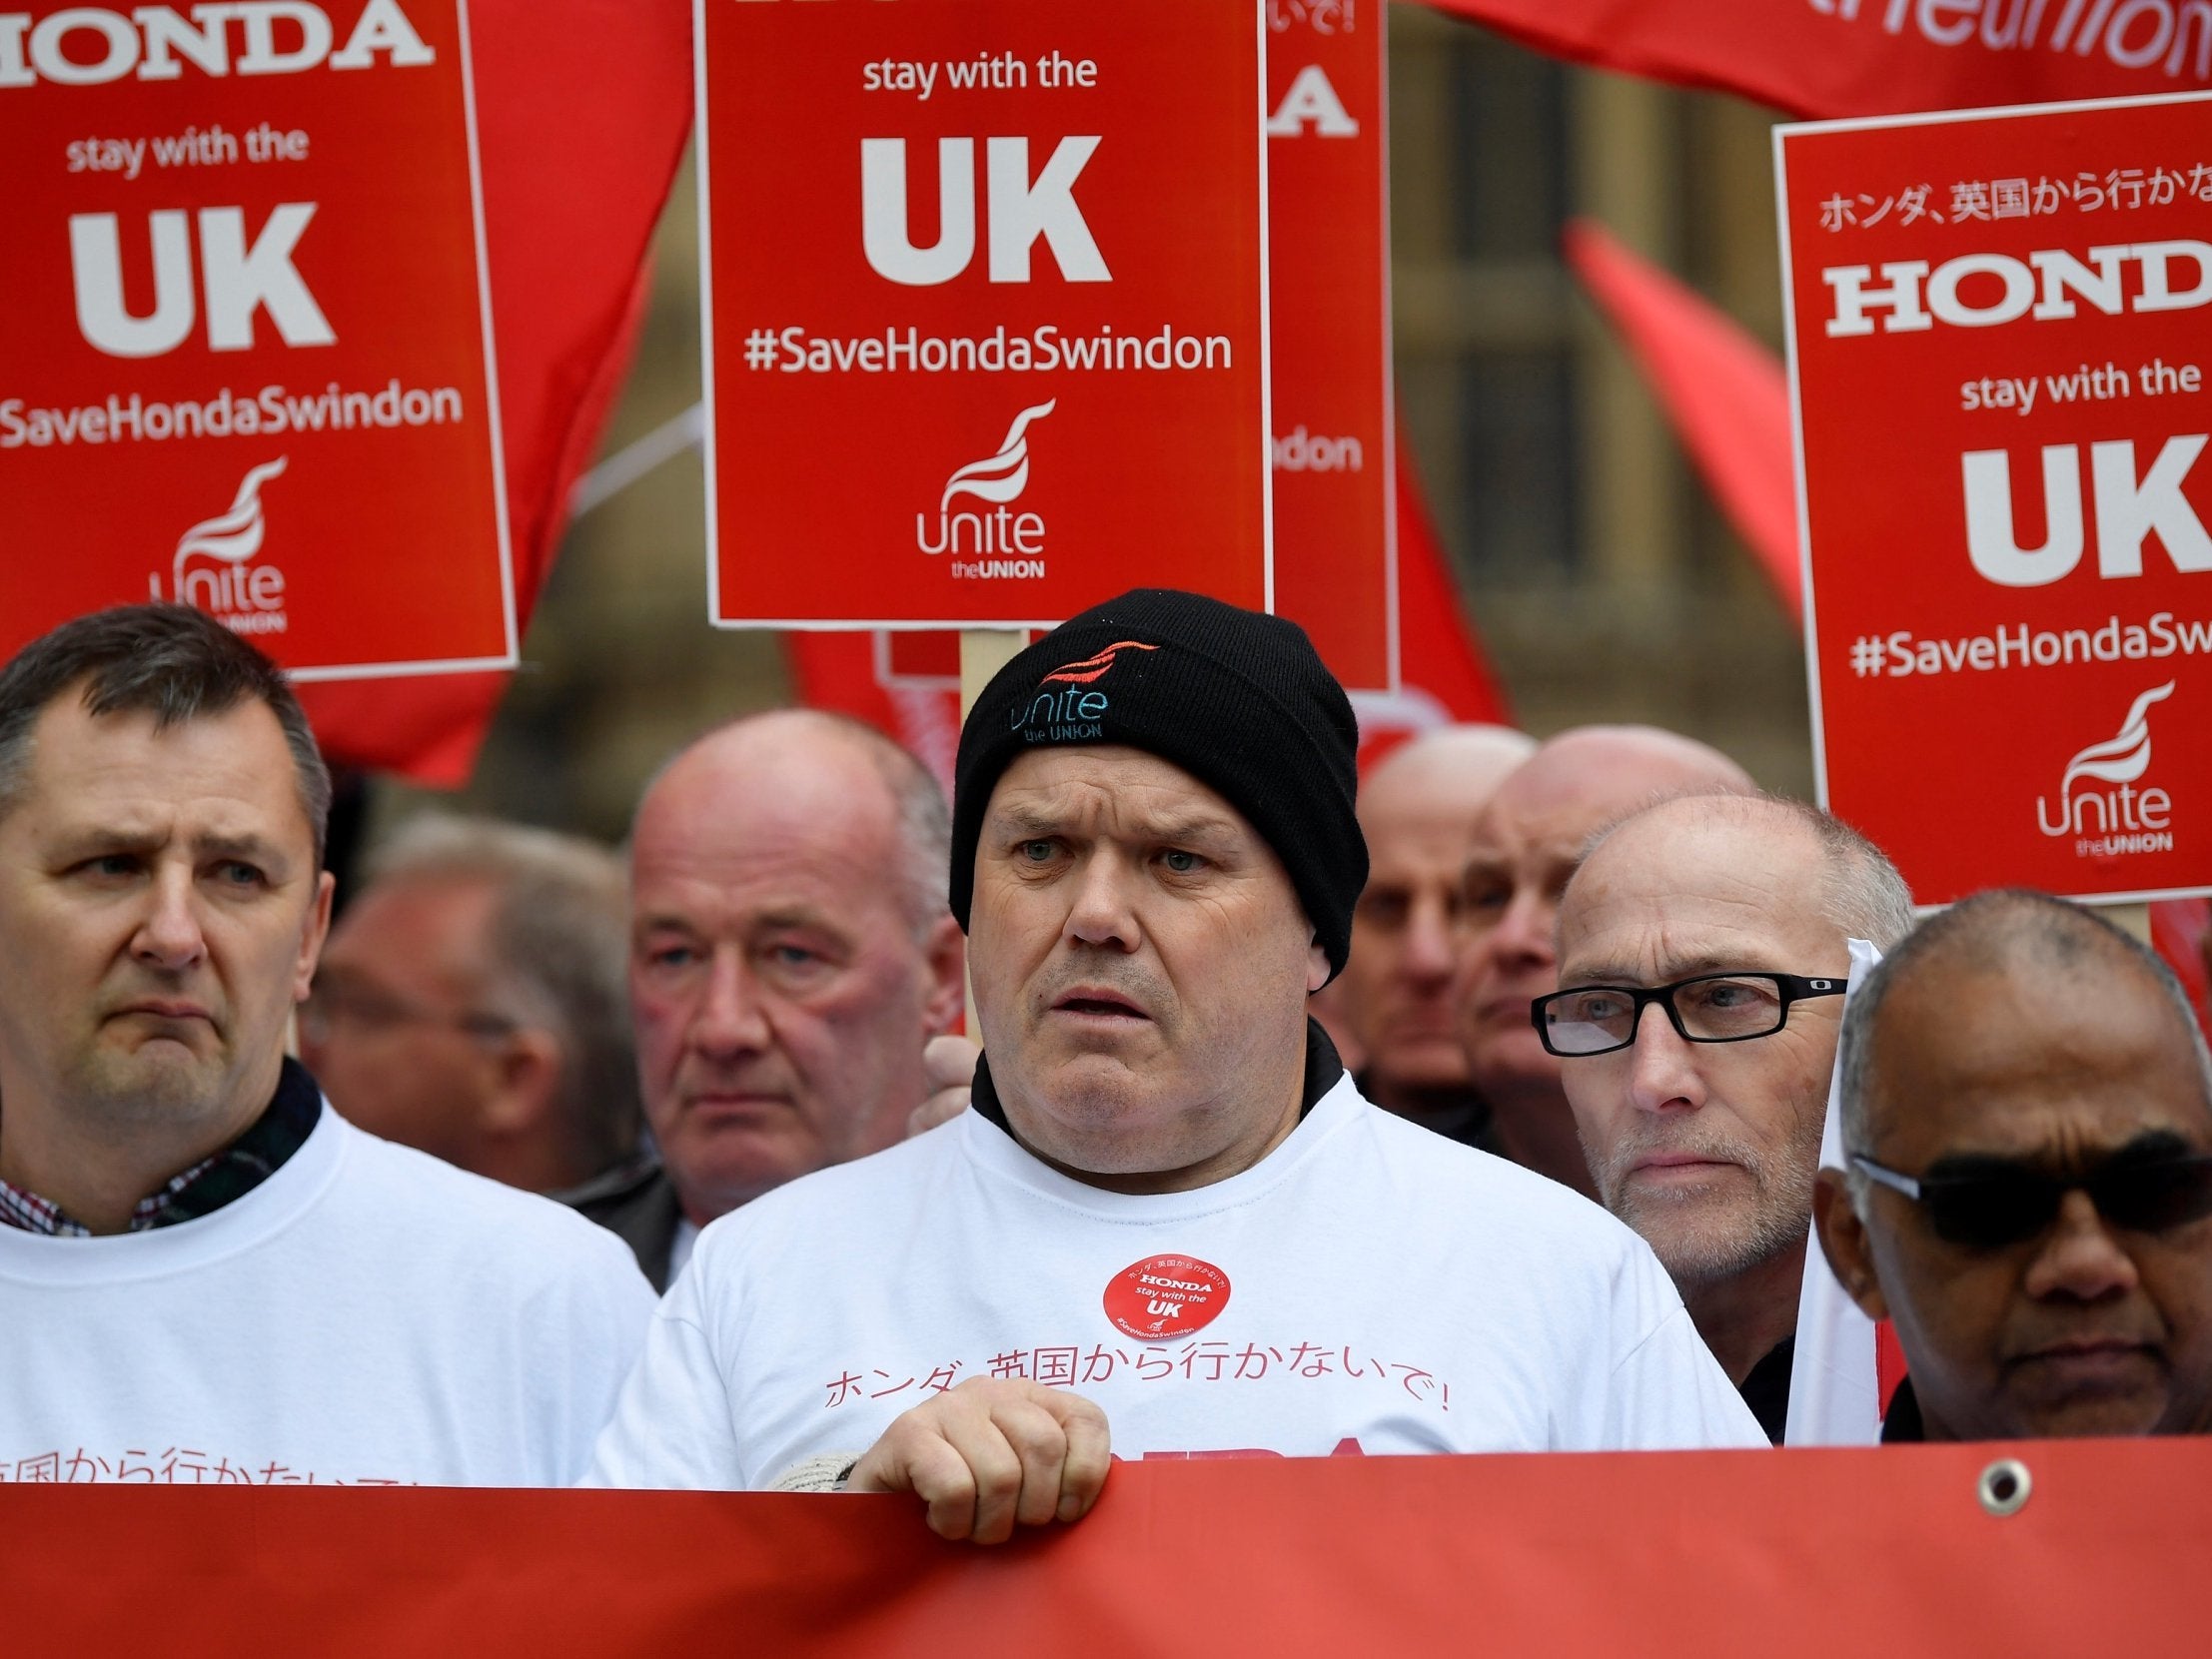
992,1452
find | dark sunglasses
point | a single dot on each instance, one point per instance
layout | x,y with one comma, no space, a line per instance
2006,1206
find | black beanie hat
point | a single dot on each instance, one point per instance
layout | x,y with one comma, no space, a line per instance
1237,699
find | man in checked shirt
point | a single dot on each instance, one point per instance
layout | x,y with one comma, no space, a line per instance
202,1265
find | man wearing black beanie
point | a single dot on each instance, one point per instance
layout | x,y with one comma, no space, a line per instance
1168,1202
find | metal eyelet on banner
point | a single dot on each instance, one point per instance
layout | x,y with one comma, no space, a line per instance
2004,1487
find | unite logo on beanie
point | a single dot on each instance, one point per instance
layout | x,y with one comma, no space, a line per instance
1071,716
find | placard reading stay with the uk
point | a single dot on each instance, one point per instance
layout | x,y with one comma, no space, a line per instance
245,339
986,307
1335,556
2000,343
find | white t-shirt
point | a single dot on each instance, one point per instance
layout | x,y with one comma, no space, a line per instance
366,1314
1366,1287
680,1246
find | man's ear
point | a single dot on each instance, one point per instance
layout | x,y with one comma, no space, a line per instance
1316,967
946,956
1843,1242
526,1079
312,936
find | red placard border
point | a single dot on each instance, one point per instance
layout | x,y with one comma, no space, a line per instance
715,615
512,656
1932,117
1395,676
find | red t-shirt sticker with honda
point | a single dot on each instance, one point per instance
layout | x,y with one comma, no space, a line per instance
1166,1296
1999,360
246,346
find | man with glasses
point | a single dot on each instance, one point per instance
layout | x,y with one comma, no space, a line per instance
1522,847
1701,969
2027,1104
471,1004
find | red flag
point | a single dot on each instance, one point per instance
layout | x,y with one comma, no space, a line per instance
841,672
569,208
1443,676
2177,930
1725,394
1875,57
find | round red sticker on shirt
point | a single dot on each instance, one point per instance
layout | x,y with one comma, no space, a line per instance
1166,1296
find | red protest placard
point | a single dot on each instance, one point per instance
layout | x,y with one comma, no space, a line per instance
1998,356
245,358
985,309
1336,560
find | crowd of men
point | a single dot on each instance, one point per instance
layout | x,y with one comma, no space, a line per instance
1475,1106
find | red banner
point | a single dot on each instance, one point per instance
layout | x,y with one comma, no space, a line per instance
1869,57
1672,1555
986,308
2001,386
247,333
1336,565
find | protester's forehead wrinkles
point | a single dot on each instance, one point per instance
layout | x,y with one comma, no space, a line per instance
1150,809
1670,966
128,831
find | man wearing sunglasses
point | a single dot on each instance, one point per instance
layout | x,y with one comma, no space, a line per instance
2027,1105
1701,969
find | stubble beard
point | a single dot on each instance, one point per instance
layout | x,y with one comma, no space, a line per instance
131,1089
1702,1238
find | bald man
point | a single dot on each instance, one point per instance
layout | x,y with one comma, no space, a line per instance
2027,1118
1417,811
1524,846
792,952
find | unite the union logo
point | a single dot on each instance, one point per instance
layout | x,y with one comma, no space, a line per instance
2118,818
1072,716
213,566
1000,540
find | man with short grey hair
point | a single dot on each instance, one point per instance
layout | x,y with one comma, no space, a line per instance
791,954
1703,962
471,1003
2027,1113
207,1275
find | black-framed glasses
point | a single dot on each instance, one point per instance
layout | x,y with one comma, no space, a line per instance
2005,1202
1712,1008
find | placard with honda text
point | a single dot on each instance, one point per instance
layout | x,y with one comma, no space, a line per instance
1335,556
246,350
985,307
1999,353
